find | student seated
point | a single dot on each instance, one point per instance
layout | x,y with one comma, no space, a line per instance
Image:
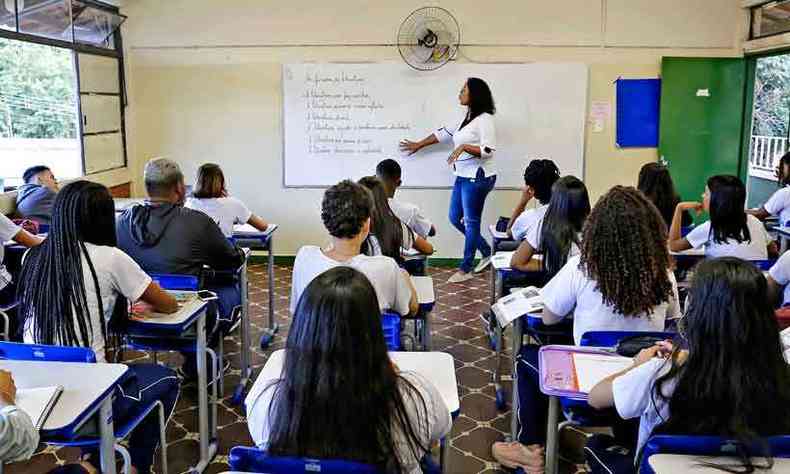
165,237
11,231
389,172
389,235
346,211
539,178
18,435
778,279
726,378
656,182
68,290
557,234
210,196
34,199
621,281
730,230
339,396
779,203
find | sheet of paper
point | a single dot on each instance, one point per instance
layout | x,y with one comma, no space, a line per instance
186,309
517,304
243,229
502,260
38,402
592,368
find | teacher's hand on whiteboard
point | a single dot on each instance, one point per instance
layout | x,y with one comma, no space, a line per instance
409,146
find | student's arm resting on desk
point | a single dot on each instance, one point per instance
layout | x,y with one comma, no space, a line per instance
160,300
422,245
526,196
258,223
27,239
602,395
18,435
522,259
414,305
760,213
678,243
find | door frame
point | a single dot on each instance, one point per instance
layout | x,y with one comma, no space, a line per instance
748,109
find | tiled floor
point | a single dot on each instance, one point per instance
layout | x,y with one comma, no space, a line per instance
457,330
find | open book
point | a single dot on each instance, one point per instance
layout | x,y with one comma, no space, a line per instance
592,368
38,402
519,302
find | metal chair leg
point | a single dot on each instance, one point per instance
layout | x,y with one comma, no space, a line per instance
162,436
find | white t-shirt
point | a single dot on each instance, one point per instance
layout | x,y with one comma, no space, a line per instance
411,216
535,239
571,291
118,275
225,211
8,231
479,132
435,421
780,272
384,274
756,249
633,397
779,205
526,221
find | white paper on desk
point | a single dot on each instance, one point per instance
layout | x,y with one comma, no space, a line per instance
186,309
518,303
592,368
247,229
502,260
412,252
38,402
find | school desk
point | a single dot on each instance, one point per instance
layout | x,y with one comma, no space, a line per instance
87,395
188,322
676,463
426,299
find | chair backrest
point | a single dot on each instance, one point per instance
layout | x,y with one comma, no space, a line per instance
764,265
706,446
17,351
177,282
611,338
390,324
255,460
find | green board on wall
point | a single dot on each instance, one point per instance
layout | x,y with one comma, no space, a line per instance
701,125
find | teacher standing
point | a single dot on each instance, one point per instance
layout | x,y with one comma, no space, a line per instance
474,142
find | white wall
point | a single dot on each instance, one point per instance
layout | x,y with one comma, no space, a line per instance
204,79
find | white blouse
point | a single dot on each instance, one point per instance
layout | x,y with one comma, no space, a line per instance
479,132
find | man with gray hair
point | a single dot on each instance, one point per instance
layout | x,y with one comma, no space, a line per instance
163,236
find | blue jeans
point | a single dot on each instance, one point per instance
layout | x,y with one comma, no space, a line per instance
466,209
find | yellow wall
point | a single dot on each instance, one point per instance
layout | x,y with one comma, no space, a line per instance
204,79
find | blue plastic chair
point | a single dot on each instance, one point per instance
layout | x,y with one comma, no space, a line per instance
764,265
705,446
391,325
44,353
256,461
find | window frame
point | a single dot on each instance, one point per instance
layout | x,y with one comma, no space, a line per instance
756,8
76,50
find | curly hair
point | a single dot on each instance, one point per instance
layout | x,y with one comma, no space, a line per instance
541,176
345,208
624,250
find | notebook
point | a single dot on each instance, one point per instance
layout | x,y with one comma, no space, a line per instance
592,368
38,402
519,302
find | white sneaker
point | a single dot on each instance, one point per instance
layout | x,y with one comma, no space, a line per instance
460,277
482,265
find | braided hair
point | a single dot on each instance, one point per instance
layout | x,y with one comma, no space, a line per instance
52,290
624,250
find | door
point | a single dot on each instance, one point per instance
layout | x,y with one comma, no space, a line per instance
702,117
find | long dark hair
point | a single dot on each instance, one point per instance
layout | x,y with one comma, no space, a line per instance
568,208
727,215
52,291
210,182
734,382
783,177
481,101
656,183
339,395
385,226
624,250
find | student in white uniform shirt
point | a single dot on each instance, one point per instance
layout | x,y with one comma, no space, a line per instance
346,399
210,197
727,378
557,235
474,140
18,435
345,211
730,230
539,177
11,231
389,172
779,203
68,290
778,278
621,281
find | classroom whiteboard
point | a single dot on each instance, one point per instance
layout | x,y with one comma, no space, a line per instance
340,120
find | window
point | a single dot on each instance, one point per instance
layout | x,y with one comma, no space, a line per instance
61,87
39,120
770,19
